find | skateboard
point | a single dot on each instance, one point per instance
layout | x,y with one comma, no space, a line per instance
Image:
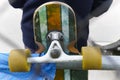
55,28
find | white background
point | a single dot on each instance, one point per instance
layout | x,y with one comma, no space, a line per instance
103,30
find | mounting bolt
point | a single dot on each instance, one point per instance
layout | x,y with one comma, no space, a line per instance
55,53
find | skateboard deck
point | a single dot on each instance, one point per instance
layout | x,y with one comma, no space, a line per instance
55,16
58,16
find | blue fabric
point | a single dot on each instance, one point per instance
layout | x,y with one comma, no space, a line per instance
37,72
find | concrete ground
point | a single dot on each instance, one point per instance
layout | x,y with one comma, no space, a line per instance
103,30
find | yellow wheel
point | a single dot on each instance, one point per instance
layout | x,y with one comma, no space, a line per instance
18,60
92,58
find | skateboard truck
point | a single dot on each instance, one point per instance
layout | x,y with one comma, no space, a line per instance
91,57
55,54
